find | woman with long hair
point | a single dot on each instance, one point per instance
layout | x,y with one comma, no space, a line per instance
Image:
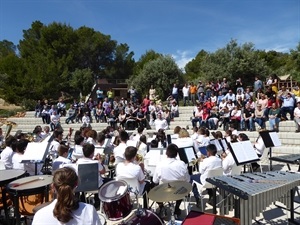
66,209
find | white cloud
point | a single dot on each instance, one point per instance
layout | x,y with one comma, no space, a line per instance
182,58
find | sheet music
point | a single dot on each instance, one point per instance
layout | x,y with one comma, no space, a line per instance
224,143
217,144
35,151
244,152
190,154
153,157
275,139
131,143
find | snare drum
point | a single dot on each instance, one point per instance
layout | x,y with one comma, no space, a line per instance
102,218
147,217
116,200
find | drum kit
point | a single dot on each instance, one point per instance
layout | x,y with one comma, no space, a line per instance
116,202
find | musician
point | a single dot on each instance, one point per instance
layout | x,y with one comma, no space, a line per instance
129,169
211,162
63,151
79,141
120,149
38,133
171,169
66,209
88,153
7,153
142,145
259,147
91,137
58,136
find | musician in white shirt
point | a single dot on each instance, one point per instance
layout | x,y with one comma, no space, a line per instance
171,169
130,169
61,159
120,149
210,163
7,153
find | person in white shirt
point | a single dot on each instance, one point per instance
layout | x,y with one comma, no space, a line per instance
297,117
120,149
130,169
171,169
91,137
86,120
186,92
66,209
58,136
7,153
160,122
61,159
142,146
54,121
211,162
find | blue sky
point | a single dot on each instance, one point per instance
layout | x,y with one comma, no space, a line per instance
180,28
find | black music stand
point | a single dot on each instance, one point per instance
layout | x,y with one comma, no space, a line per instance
270,139
221,144
187,154
243,152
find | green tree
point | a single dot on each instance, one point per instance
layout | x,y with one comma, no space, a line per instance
82,81
162,73
7,48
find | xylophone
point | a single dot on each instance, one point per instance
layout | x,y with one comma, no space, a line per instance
253,192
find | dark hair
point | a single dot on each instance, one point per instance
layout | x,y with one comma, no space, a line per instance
9,140
78,139
21,145
243,136
140,129
172,151
88,150
123,135
56,133
64,182
130,153
154,143
177,129
92,134
62,149
100,137
212,149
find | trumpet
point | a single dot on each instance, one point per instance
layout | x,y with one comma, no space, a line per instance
193,162
139,158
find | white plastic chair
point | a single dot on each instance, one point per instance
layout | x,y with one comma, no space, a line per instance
236,170
264,159
201,187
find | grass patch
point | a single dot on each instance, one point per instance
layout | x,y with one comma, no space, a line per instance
4,113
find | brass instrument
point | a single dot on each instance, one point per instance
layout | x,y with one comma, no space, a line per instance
193,162
9,126
139,158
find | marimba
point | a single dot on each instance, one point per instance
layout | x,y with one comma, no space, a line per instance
254,192
288,159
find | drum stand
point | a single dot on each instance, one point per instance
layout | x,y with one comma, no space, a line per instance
172,220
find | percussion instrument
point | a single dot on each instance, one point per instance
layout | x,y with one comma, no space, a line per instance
288,159
143,216
29,192
254,192
6,176
171,191
102,218
115,199
38,207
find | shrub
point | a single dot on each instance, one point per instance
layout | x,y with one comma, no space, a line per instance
28,104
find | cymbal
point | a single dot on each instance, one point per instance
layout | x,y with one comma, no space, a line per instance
171,191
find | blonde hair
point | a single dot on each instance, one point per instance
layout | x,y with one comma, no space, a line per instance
183,133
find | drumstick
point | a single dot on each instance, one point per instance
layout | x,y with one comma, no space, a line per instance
27,182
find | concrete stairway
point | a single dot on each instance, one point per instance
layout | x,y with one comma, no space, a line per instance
289,139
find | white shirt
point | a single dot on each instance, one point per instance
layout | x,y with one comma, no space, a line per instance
55,119
119,152
160,124
58,162
84,215
6,157
210,163
297,112
185,91
227,164
171,170
86,120
91,141
28,167
259,146
131,170
88,160
54,147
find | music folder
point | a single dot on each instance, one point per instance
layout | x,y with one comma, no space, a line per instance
221,144
243,152
270,138
187,154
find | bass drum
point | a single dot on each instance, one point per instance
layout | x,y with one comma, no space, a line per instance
116,202
147,217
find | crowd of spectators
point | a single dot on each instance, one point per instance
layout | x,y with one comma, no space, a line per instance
246,108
